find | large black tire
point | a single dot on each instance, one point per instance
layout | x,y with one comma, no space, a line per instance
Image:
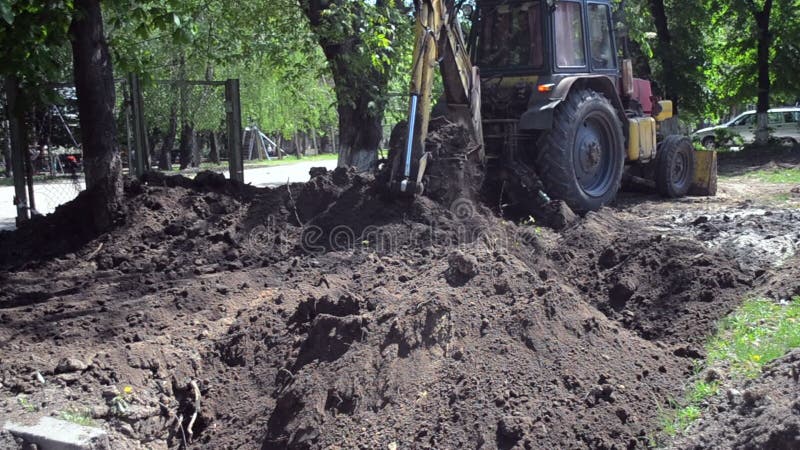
580,160
674,166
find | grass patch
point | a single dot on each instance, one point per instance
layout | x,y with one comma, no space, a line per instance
778,176
81,417
758,332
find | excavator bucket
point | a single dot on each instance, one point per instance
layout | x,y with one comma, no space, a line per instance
438,42
705,173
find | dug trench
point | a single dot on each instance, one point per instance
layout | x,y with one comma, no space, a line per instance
325,315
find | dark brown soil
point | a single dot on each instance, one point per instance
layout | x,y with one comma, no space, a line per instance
763,413
324,315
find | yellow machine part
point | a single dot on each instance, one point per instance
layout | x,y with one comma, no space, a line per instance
641,138
666,111
705,173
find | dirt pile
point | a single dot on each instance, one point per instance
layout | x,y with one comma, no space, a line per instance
760,413
327,315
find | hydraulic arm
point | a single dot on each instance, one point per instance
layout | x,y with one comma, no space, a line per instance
439,40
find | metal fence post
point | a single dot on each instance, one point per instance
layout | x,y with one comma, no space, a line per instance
234,119
18,150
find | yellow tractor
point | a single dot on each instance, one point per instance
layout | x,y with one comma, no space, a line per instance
543,93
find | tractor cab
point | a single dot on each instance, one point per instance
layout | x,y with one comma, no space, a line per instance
525,48
543,37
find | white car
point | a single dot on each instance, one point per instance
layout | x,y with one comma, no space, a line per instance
784,124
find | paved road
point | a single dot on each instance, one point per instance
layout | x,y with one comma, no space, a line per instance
50,195
279,175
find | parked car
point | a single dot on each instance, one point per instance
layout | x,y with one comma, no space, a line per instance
783,122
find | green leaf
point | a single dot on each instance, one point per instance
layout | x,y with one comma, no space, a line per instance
6,11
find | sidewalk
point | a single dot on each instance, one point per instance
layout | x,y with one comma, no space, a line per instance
49,195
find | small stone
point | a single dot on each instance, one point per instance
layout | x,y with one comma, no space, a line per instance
461,264
734,396
317,172
513,427
501,286
109,392
712,375
70,365
751,397
621,292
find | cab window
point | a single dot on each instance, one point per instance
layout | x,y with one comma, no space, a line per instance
600,37
569,35
790,117
511,36
749,119
775,118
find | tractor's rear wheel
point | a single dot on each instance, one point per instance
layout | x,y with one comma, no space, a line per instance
580,160
674,166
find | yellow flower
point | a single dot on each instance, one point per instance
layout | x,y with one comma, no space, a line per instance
127,390
756,358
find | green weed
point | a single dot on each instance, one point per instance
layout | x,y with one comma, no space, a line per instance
25,402
81,417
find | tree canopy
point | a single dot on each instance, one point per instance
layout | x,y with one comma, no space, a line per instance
311,65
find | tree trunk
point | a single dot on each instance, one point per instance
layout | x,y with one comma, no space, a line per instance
764,43
197,148
359,86
165,158
359,136
213,154
7,149
94,85
187,145
664,51
314,141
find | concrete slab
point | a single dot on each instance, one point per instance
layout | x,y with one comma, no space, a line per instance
55,434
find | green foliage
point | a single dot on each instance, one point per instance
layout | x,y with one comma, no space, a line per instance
681,415
80,417
757,333
713,49
725,137
25,402
732,42
34,43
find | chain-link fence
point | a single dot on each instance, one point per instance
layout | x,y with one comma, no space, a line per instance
44,168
